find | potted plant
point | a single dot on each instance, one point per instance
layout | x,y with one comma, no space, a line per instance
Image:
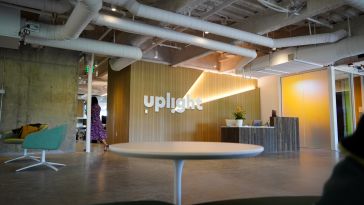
239,115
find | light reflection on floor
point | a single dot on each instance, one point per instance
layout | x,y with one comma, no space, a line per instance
99,177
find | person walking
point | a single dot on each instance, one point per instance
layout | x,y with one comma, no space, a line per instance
97,130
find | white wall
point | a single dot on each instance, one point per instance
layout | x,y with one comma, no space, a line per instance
269,96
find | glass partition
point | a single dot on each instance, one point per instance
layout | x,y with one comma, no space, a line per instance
344,104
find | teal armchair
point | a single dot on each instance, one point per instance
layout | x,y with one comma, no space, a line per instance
17,136
50,139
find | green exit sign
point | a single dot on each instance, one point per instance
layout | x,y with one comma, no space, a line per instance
88,68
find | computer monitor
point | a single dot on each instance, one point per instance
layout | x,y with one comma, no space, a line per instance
257,123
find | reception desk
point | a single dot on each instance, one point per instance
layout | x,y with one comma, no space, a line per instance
283,137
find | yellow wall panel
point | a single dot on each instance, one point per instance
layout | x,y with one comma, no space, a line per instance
358,97
306,96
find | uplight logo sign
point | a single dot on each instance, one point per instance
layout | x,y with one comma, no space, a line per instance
178,105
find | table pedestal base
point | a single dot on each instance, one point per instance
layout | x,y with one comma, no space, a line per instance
178,181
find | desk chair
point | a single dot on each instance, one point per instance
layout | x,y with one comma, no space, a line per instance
50,139
18,135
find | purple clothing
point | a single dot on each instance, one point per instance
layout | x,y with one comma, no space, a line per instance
97,130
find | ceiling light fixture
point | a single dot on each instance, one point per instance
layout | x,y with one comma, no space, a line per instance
113,8
206,32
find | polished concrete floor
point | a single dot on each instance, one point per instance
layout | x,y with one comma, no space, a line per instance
100,177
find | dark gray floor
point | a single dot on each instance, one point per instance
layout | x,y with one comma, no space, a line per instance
106,177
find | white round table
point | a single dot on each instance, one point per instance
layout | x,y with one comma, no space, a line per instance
180,151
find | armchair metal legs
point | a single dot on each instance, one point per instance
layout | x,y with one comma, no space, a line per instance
43,162
25,155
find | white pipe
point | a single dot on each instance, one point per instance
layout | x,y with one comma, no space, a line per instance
330,53
198,24
117,64
90,46
81,16
358,4
144,29
319,56
190,22
309,40
53,6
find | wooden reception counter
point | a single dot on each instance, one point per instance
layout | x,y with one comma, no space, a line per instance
283,137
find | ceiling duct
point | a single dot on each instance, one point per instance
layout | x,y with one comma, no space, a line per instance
81,16
358,4
10,24
54,6
118,64
144,29
90,46
190,22
293,60
310,40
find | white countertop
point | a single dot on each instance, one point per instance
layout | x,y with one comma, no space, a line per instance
186,150
249,126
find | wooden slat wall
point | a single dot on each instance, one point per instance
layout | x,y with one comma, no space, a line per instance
156,80
118,105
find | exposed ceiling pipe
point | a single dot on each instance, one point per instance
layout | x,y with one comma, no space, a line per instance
144,29
120,63
198,24
310,40
190,22
54,6
81,16
90,46
328,54
358,4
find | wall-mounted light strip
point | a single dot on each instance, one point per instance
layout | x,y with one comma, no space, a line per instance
227,94
200,80
194,85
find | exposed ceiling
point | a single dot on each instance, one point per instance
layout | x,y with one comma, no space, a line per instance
271,18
